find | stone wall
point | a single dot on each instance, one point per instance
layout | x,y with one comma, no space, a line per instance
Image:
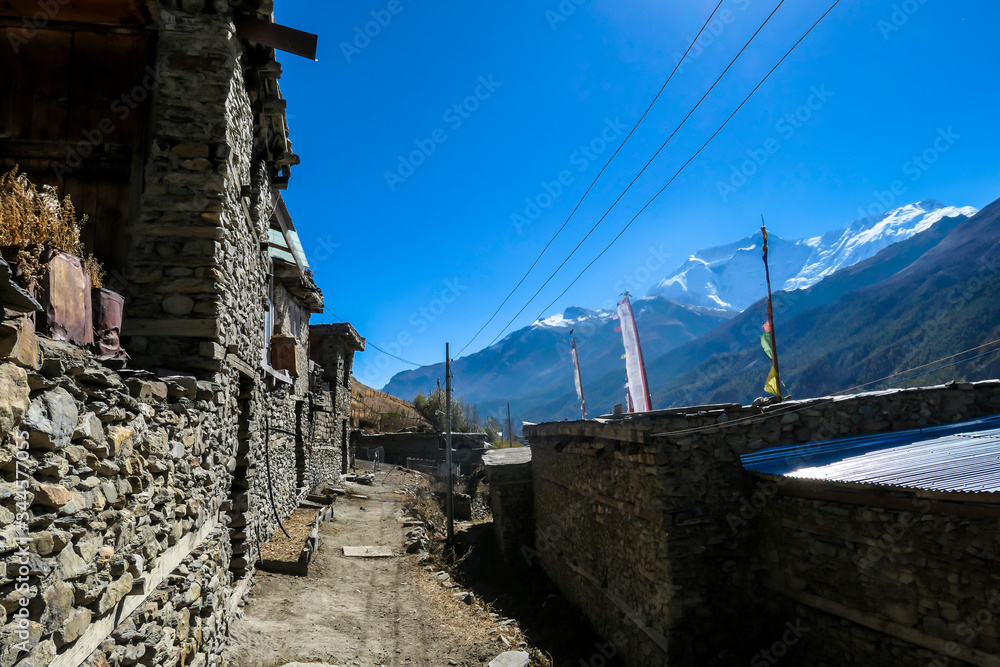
132,477
147,493
332,346
327,451
508,473
919,578
638,519
467,448
196,267
115,476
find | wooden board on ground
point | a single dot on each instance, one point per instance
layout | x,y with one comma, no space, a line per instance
367,552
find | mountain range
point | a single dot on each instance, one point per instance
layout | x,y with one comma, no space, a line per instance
730,276
848,314
532,362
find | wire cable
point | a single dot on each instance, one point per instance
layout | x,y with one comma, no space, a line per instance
889,379
368,342
594,182
642,171
672,179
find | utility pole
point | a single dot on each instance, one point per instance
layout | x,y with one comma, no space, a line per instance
510,428
450,497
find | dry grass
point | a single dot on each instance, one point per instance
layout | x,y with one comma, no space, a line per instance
379,411
299,525
32,220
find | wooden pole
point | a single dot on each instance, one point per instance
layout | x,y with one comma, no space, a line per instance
510,428
770,312
450,498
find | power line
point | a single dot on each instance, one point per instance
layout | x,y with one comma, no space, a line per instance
672,179
655,155
368,342
779,412
594,182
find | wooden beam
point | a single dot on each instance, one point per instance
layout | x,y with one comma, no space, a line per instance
968,506
277,36
949,647
58,150
244,369
192,328
101,12
100,629
183,230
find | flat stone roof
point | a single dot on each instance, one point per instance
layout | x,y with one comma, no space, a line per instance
507,457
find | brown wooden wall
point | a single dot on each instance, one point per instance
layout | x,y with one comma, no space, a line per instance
67,119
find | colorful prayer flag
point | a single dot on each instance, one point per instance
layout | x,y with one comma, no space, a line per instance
635,369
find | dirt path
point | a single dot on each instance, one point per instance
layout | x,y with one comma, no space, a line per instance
363,611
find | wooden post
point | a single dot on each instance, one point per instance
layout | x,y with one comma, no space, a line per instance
770,312
450,498
510,428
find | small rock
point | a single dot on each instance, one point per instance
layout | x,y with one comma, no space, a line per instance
52,495
178,304
511,659
52,418
14,401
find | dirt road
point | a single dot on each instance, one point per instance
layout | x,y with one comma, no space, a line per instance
364,611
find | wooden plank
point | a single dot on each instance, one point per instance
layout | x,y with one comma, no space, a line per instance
8,63
110,222
49,67
103,12
950,647
900,499
245,369
368,552
193,328
100,629
56,150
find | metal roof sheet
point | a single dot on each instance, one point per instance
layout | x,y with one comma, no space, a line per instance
962,457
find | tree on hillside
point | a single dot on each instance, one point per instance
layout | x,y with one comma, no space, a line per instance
464,415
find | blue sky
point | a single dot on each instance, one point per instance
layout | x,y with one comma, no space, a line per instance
418,217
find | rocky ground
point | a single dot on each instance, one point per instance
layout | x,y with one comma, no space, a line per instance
362,612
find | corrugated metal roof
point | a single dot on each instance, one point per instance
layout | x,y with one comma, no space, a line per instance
957,457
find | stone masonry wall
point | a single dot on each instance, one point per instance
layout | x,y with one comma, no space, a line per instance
508,473
467,448
127,477
916,570
332,346
638,518
326,453
116,474
196,263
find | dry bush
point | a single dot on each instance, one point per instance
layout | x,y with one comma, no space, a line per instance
32,220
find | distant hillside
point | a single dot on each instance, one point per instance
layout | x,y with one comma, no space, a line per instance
924,298
730,276
533,364
374,410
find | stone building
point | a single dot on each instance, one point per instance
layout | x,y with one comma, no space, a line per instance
134,500
332,346
399,448
860,530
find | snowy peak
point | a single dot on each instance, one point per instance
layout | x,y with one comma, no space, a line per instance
572,317
732,276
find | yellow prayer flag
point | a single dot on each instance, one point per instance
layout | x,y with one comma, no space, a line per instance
771,386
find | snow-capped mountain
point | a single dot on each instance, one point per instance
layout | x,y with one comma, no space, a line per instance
535,359
732,276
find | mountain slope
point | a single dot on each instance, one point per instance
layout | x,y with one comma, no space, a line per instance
729,276
376,410
943,302
535,361
727,364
